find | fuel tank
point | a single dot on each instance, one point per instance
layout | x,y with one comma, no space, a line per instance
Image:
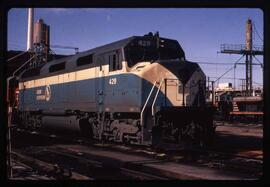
67,123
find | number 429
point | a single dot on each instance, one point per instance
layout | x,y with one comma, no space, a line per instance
112,81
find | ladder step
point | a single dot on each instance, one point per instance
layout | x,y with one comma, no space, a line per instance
235,107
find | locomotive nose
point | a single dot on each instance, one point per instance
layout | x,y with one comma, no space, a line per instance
183,70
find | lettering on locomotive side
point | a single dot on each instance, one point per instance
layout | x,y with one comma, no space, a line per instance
46,96
112,81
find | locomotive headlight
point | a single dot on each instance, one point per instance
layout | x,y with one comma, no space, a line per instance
161,43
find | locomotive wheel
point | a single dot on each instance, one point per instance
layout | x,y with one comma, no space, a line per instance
126,141
195,136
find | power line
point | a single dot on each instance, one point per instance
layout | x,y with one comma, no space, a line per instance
234,66
257,83
17,56
64,47
209,58
229,78
210,63
258,61
51,46
257,32
23,65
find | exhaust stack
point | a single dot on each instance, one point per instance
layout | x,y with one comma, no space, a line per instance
249,35
30,29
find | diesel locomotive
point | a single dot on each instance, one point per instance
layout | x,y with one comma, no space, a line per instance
139,90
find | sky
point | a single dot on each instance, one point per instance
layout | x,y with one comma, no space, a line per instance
199,31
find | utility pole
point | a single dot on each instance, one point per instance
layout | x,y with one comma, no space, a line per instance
9,164
248,50
208,90
213,93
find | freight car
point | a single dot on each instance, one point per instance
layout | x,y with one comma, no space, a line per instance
234,105
247,109
139,90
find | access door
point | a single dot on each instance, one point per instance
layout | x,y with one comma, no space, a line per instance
101,74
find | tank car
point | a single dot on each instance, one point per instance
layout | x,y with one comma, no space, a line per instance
139,90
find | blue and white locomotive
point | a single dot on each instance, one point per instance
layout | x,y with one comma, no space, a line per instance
138,90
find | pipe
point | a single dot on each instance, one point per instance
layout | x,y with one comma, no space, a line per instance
9,165
183,99
213,93
30,29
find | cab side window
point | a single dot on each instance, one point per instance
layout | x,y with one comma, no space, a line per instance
112,62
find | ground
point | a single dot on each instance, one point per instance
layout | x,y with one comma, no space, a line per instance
235,138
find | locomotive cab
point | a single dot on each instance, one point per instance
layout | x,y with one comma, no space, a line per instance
175,109
150,48
173,92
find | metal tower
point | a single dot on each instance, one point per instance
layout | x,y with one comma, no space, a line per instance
249,50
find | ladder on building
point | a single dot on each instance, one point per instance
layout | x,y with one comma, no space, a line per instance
235,107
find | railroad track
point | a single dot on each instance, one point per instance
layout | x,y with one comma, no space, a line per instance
234,162
50,169
211,158
104,164
62,166
139,149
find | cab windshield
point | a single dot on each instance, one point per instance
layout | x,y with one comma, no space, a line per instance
151,50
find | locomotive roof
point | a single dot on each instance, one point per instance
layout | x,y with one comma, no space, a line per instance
114,45
70,61
100,49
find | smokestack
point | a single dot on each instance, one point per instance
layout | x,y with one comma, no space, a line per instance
248,35
30,29
41,36
249,57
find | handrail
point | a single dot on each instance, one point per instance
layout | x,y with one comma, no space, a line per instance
145,106
156,97
147,100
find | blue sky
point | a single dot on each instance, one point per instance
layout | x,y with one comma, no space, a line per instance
199,31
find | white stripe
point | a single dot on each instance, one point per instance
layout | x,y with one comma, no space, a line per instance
79,75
